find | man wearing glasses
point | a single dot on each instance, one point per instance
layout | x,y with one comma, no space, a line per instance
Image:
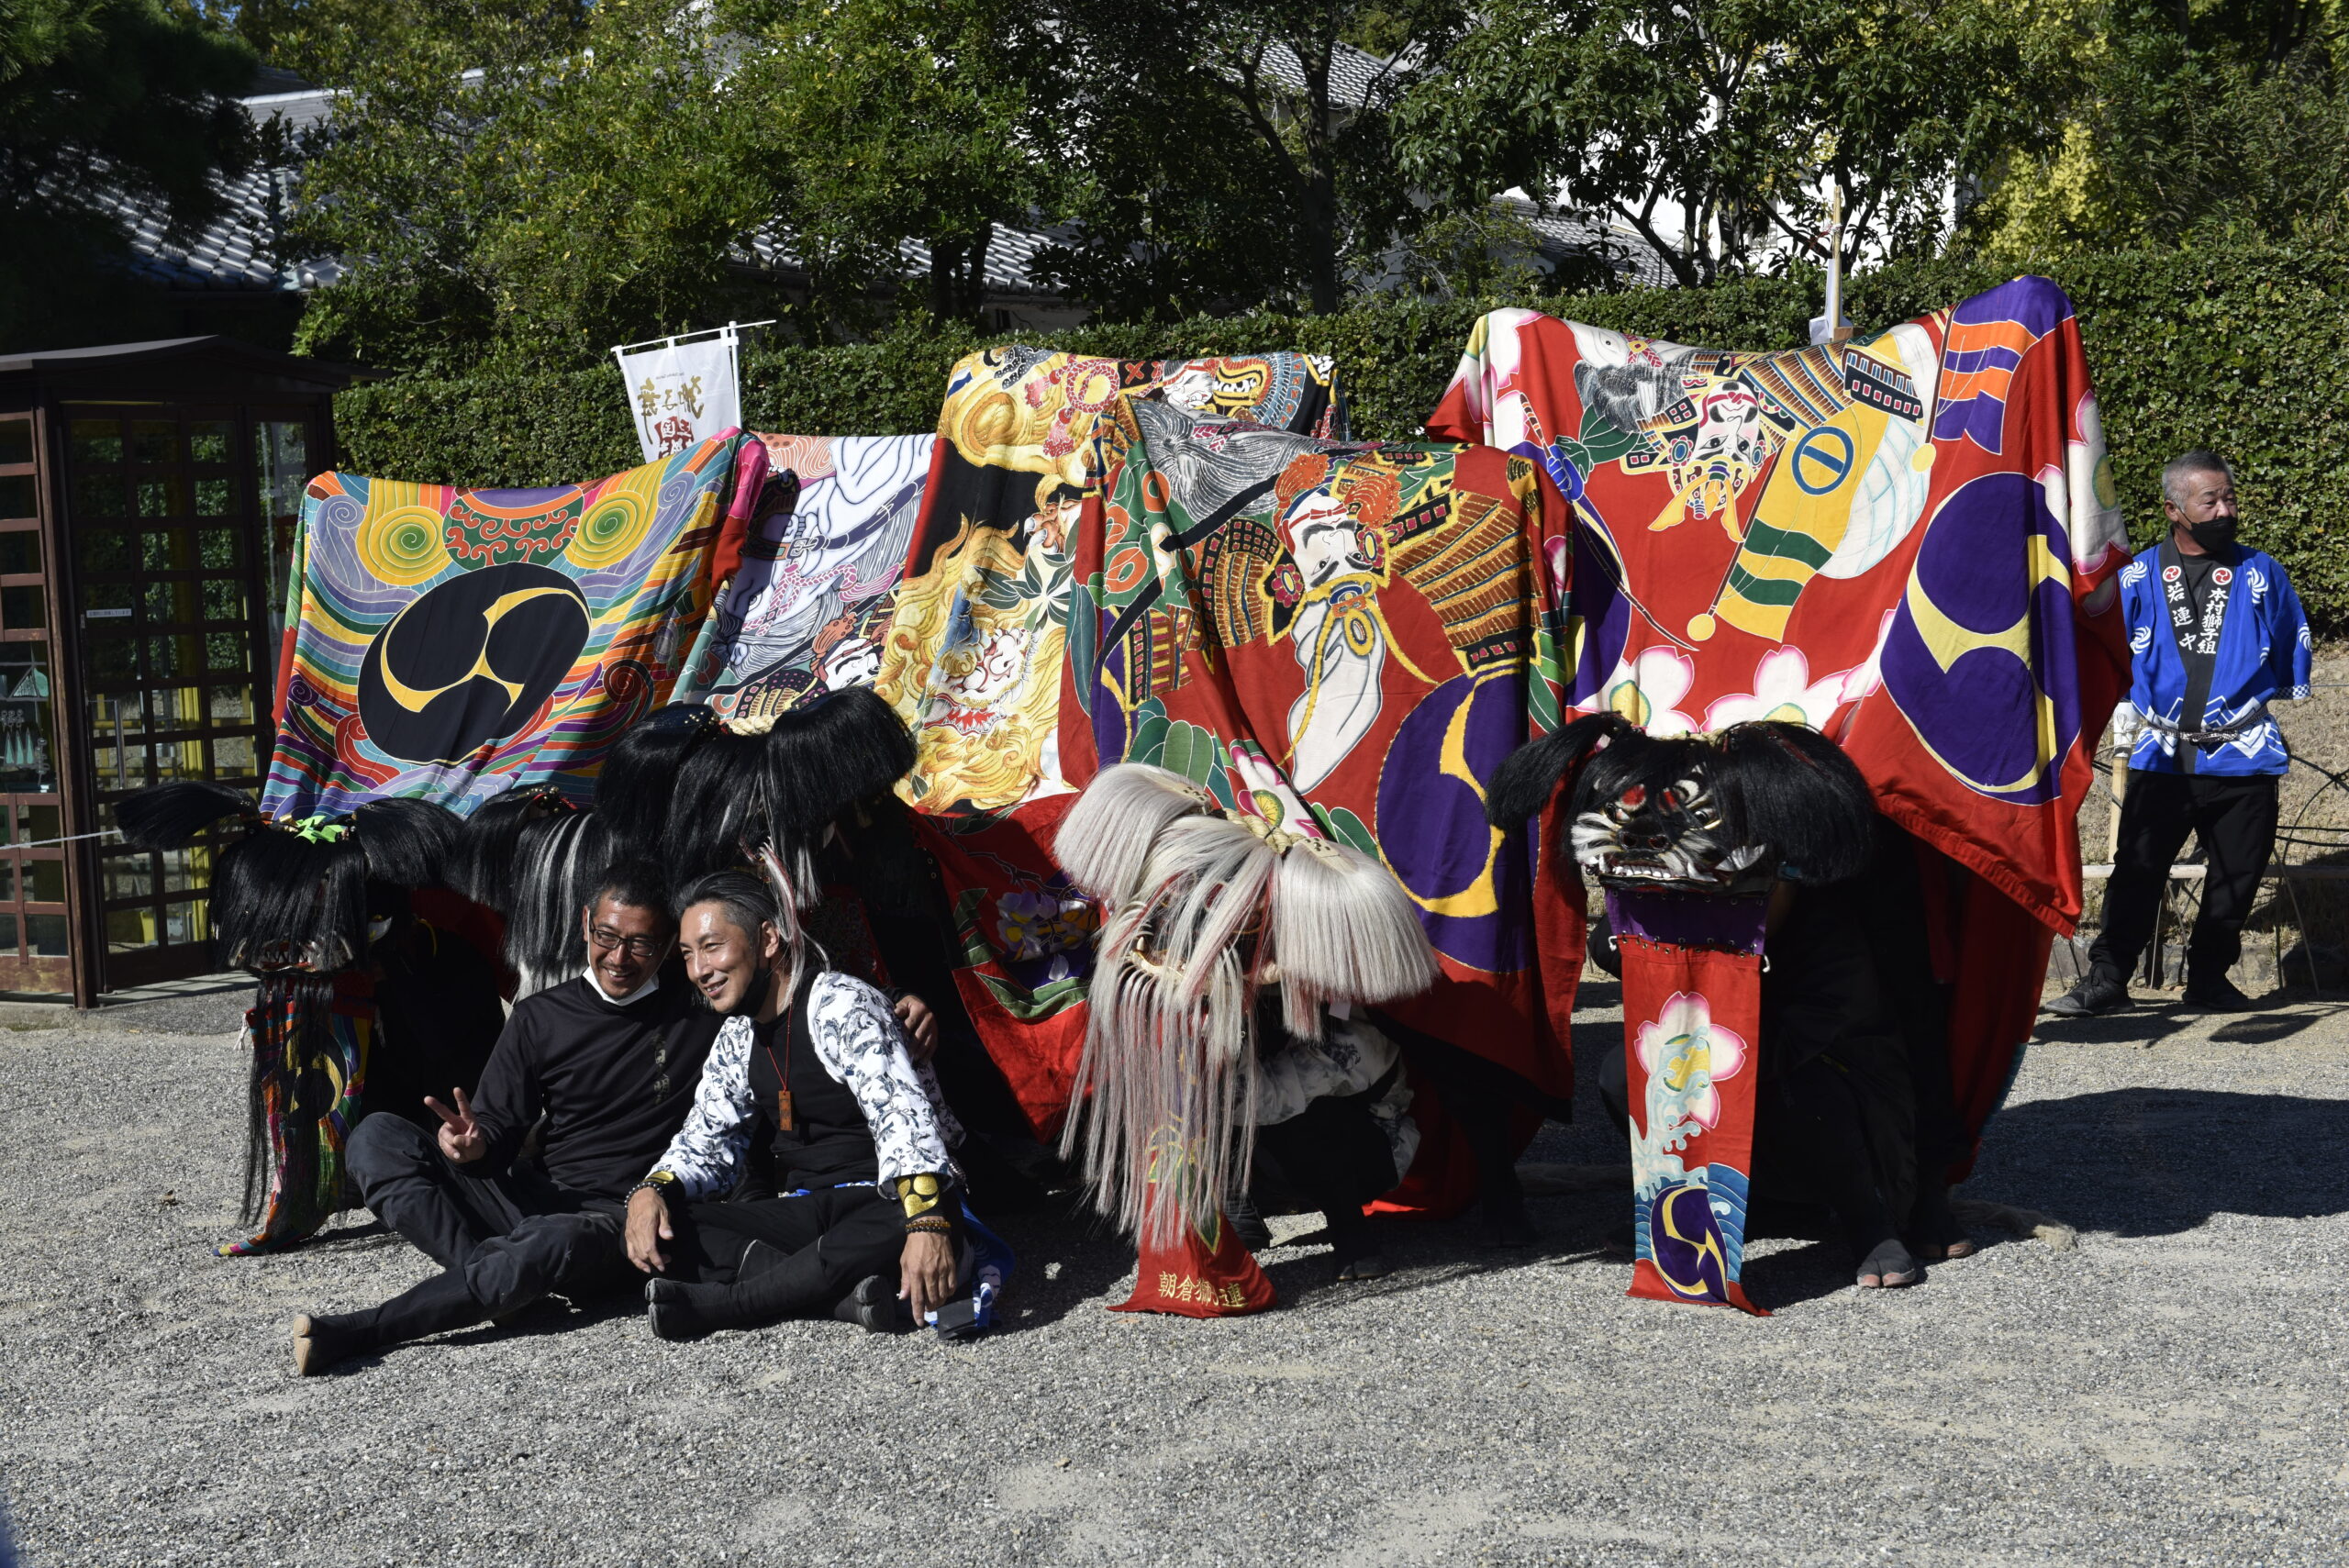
611,1060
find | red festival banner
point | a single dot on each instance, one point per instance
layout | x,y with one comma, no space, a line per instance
1692,1016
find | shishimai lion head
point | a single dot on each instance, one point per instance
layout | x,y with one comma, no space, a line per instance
1718,813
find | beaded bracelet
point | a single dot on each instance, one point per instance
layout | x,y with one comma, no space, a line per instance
660,1184
934,1224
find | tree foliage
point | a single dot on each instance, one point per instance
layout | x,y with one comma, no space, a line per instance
1231,150
926,123
527,182
1713,128
121,99
2186,121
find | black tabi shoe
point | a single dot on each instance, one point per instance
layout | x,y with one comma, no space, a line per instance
2218,995
669,1308
2091,998
320,1341
873,1306
1892,1267
1353,1249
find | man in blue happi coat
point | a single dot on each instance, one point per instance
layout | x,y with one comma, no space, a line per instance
2215,634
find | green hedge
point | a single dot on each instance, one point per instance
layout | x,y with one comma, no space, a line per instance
2245,351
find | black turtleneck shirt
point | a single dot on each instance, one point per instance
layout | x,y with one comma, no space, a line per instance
614,1082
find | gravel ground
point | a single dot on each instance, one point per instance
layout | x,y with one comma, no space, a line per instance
2168,1392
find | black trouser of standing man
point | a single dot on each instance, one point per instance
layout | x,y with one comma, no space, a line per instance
2234,820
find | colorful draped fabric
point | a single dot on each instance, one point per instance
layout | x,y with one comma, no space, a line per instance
448,644
808,608
1692,1019
1908,543
974,653
1345,640
309,1036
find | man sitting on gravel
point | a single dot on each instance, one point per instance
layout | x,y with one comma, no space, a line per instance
609,1059
812,1112
2215,634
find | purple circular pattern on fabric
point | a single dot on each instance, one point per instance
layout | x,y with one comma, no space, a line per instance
1684,1240
1431,822
1980,716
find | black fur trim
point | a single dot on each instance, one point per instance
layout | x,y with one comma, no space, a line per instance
824,757
280,901
718,815
408,844
559,862
638,777
1791,787
1521,787
168,816
484,867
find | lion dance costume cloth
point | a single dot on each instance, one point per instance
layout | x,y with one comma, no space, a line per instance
974,655
1907,544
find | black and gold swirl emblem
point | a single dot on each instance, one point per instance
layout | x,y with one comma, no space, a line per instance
469,661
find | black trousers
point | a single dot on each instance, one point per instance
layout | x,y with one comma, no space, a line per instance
817,1245
511,1239
2234,820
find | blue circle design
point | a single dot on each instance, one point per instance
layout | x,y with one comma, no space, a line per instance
1812,448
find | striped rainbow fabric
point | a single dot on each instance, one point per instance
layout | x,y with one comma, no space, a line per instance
448,644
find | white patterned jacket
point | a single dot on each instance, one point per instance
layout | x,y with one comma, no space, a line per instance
857,1039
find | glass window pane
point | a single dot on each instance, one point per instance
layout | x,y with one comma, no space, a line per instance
164,497
170,602
232,757
215,497
20,552
23,609
225,653
154,440
97,495
8,883
185,923
27,748
36,824
113,657
107,601
231,706
127,930
15,440
163,658
47,934
17,495
208,441
217,549
7,934
45,881
103,549
128,876
224,599
169,550
177,707
95,440
188,870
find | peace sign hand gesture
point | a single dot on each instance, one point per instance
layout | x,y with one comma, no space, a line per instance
461,1139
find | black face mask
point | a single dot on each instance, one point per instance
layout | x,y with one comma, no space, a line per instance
2217,536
